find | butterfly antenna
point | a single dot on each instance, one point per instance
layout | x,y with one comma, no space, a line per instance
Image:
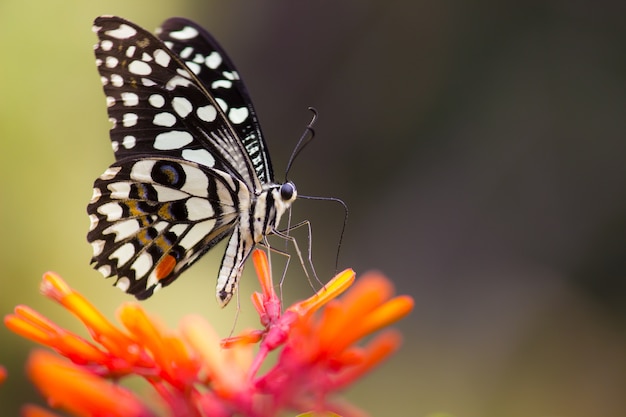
307,136
343,227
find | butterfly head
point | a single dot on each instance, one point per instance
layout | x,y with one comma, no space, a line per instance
288,192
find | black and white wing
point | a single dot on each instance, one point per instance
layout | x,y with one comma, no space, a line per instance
189,154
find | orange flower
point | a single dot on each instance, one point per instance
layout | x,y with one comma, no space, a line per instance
83,393
194,373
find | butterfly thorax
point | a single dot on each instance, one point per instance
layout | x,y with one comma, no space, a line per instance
269,207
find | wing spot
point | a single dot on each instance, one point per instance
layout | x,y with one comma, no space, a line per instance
111,62
109,174
130,99
186,52
222,104
97,246
201,156
129,119
182,106
123,284
123,254
207,113
174,139
195,68
177,81
105,270
117,80
238,116
142,264
185,33
156,100
106,45
164,119
129,142
221,84
162,58
139,68
213,60
147,82
165,267
130,51
122,32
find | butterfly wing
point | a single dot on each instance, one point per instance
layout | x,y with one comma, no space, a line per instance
183,175
202,54
152,218
160,108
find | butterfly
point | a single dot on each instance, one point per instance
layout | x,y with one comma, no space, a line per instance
192,167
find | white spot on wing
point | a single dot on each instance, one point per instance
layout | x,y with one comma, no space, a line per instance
201,156
168,194
123,229
222,104
116,80
185,33
186,52
95,196
123,254
177,81
198,209
130,51
148,82
139,68
111,62
182,106
97,246
195,68
130,99
174,139
105,270
207,113
213,60
164,119
239,115
129,142
129,119
112,210
142,264
156,100
106,45
123,284
110,173
122,32
197,182
93,222
196,233
119,190
221,84
162,58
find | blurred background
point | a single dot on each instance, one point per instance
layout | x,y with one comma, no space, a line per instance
479,145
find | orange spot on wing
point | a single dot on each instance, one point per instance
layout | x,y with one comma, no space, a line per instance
164,267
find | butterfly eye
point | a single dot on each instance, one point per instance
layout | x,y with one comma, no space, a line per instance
287,190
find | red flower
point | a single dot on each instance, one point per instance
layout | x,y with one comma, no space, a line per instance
196,374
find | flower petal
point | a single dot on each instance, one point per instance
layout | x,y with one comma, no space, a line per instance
74,389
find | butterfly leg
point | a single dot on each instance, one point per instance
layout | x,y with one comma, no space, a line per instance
284,234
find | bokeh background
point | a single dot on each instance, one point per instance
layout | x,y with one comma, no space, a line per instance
480,146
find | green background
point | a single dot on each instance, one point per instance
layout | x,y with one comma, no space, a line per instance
479,145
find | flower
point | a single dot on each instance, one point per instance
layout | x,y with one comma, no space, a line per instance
195,373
